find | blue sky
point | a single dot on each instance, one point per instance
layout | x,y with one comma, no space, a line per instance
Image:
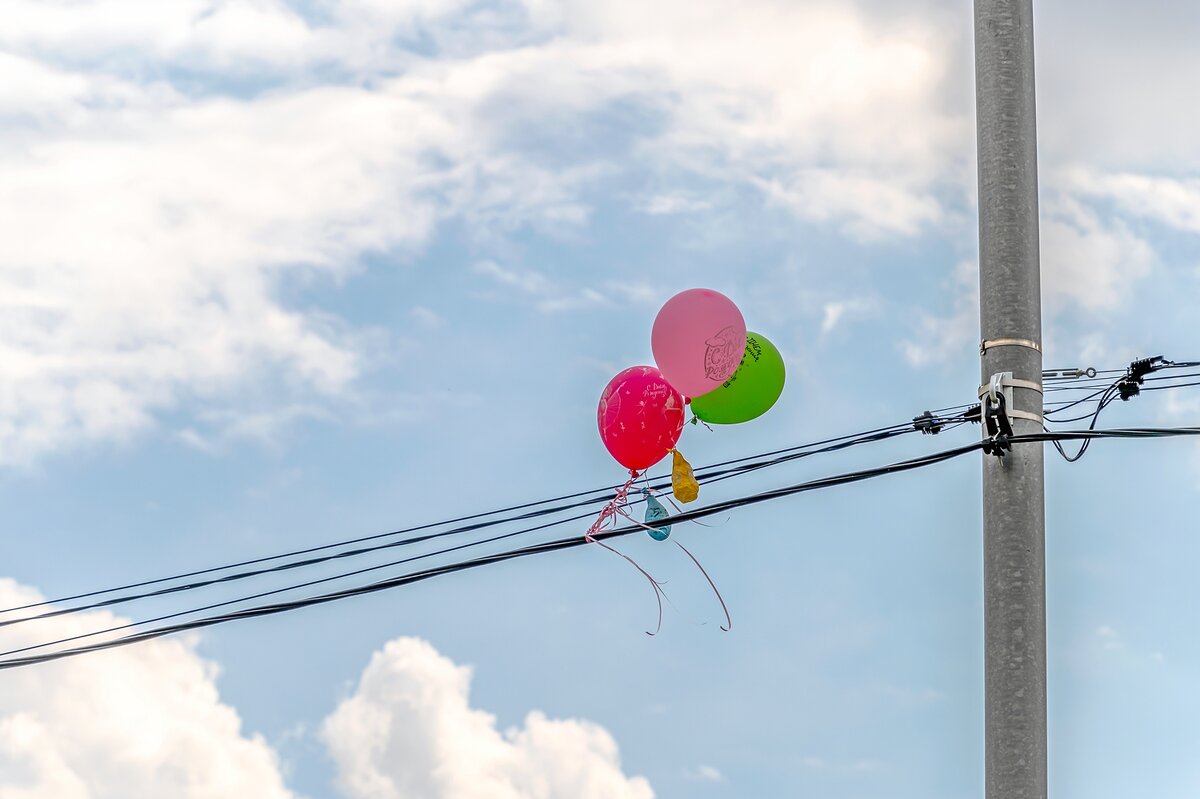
274,275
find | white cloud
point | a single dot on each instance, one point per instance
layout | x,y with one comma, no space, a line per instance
869,206
938,338
830,113
1110,82
141,721
426,318
1173,201
1086,262
168,168
409,730
833,313
147,720
525,281
550,296
144,238
704,774
663,204
1108,637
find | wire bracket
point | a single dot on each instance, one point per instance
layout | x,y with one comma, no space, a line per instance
928,424
1131,384
996,424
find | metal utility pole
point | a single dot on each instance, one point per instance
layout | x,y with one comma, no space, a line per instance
1014,523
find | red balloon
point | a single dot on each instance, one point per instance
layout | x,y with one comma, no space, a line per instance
640,417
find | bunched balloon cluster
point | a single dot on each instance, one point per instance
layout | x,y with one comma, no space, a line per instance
704,357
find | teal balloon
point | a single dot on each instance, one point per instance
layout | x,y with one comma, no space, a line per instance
750,391
654,512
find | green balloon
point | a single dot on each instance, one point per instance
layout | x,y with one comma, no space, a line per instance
750,391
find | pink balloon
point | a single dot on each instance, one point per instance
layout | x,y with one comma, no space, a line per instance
698,339
640,417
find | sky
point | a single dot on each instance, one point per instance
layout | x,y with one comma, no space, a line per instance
275,274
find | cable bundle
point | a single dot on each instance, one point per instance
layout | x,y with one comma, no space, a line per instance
546,514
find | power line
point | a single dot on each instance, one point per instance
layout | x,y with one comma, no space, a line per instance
596,497
560,544
575,541
706,475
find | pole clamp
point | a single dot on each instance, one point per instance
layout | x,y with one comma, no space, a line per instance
988,343
1009,382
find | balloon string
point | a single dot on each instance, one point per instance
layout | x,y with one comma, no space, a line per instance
728,619
657,586
609,511
659,594
615,507
693,521
625,512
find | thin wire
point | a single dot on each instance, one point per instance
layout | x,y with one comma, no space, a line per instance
1164,388
565,543
702,472
705,478
710,474
1046,374
1108,397
714,476
1088,398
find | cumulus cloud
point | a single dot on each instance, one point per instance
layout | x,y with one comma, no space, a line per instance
1086,262
144,721
409,730
704,774
1171,201
938,338
551,296
1109,81
145,236
170,169
837,311
147,720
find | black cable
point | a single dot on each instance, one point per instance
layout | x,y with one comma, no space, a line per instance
1128,385
567,543
560,544
1108,397
1092,435
705,477
1088,398
1164,388
600,495
709,474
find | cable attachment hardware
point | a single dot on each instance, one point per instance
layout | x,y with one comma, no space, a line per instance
1002,384
999,428
1130,384
928,424
1070,374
